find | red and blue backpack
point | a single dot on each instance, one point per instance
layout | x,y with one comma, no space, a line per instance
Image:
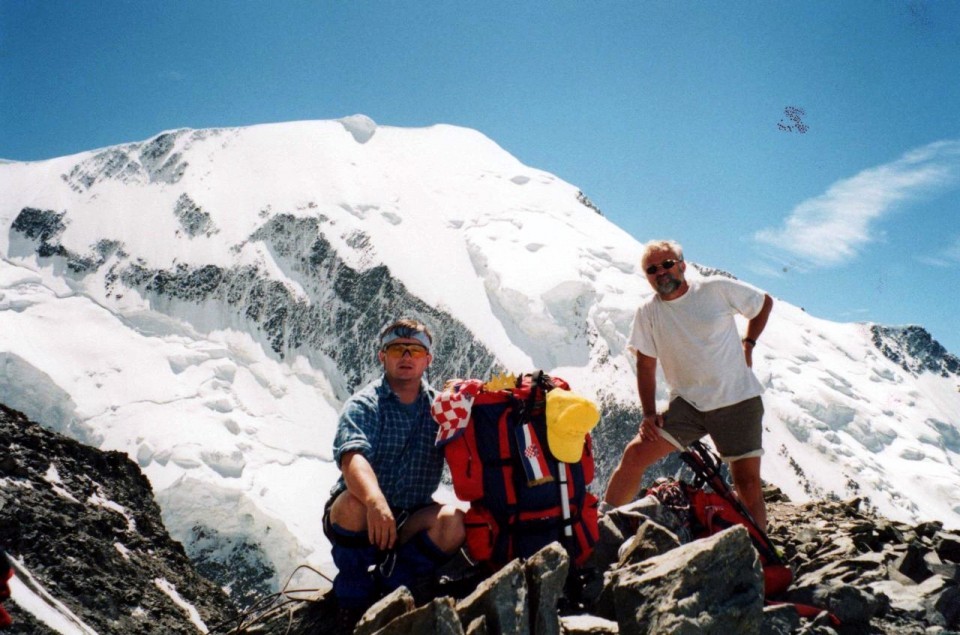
521,496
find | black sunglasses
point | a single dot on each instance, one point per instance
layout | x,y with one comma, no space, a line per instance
665,265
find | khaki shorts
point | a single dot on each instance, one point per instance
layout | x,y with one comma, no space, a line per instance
736,430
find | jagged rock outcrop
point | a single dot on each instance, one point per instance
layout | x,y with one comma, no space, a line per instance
914,349
335,318
871,574
885,576
708,586
85,525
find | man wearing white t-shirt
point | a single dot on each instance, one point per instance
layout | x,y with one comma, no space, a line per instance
689,326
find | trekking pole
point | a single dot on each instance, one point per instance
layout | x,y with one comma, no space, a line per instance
699,457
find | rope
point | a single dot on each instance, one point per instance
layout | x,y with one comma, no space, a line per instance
269,604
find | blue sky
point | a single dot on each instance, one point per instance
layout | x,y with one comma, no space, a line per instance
669,115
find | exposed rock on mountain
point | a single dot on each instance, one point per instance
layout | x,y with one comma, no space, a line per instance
340,314
913,348
865,574
85,525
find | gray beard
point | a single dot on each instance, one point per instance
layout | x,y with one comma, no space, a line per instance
668,286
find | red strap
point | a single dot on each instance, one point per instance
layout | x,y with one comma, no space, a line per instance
807,610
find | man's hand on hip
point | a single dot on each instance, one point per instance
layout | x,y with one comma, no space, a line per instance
650,427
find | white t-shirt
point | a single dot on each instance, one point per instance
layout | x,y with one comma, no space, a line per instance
696,340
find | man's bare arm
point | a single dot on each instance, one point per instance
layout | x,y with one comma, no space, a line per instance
755,328
647,388
363,485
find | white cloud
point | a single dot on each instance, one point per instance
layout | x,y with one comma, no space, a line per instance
833,227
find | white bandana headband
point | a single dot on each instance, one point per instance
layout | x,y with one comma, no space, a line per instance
403,332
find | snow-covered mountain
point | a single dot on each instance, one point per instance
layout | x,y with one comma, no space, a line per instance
205,300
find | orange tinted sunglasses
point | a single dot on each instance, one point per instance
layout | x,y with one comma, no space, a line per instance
396,351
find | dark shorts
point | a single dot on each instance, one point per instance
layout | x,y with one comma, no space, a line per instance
736,430
400,514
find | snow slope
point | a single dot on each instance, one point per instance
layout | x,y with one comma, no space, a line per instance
205,300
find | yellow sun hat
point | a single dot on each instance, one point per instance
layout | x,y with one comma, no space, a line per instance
570,417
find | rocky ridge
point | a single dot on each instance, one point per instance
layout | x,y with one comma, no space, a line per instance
84,523
860,573
914,349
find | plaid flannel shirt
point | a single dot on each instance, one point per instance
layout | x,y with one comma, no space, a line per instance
397,440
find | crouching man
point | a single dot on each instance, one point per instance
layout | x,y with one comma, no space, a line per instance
385,528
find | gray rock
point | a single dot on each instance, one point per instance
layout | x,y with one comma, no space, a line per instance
478,627
73,549
850,604
587,625
438,617
941,601
820,625
948,546
608,544
546,573
651,539
632,515
605,605
385,611
781,619
502,600
912,563
948,570
713,585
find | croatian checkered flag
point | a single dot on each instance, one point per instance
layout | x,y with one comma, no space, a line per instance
451,409
532,456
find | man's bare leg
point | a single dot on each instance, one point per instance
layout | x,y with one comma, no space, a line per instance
746,479
444,525
637,457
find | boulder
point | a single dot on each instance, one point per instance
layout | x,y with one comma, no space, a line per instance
611,538
587,625
947,605
941,601
713,585
546,573
651,539
851,605
912,563
501,600
385,611
948,570
438,617
781,619
948,546
478,626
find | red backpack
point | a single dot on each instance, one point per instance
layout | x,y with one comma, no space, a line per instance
521,497
717,510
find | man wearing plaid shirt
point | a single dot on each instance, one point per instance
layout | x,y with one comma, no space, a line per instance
381,510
